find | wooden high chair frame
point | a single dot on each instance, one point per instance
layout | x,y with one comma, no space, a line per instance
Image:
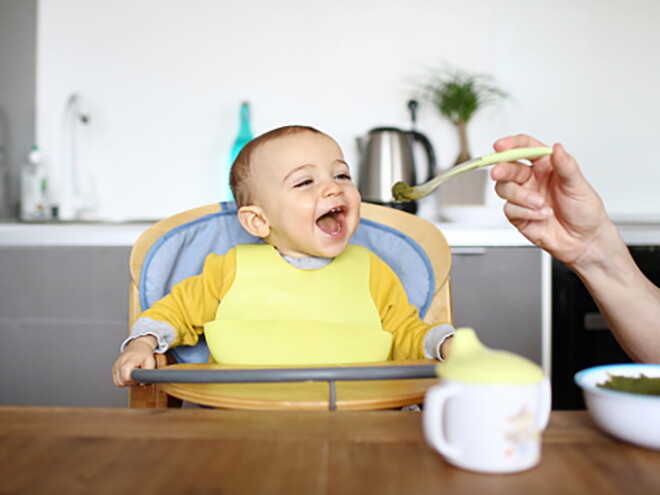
429,238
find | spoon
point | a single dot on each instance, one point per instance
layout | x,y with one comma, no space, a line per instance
402,192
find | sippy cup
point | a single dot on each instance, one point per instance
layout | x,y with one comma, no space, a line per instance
489,410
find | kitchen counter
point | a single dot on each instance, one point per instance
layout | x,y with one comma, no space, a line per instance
125,234
640,234
70,234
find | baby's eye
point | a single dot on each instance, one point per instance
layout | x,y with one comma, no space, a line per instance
343,176
304,183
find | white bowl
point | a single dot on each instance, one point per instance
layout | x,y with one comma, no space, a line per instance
628,416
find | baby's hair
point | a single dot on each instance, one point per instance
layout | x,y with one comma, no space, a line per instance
241,170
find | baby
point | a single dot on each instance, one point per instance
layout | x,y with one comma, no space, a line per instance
304,295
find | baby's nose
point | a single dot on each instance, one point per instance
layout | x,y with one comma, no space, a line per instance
331,188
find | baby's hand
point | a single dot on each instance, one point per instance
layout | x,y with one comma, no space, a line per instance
139,353
445,348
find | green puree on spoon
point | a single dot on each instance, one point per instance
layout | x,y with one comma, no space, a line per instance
402,192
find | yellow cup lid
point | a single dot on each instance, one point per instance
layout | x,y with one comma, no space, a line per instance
471,361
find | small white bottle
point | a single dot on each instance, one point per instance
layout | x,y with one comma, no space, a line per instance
33,188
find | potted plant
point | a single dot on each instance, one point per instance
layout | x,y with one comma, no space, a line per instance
458,95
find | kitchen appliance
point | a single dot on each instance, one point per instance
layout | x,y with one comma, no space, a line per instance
387,156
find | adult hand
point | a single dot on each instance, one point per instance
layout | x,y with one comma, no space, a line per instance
550,202
553,205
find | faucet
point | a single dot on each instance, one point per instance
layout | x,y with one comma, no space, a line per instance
73,199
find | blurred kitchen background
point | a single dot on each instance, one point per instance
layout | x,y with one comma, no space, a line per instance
134,107
161,81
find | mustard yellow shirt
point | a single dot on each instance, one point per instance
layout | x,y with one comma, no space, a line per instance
194,302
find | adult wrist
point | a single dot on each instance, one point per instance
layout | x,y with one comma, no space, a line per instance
606,255
599,249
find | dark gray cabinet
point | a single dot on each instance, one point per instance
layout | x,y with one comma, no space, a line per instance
498,292
63,314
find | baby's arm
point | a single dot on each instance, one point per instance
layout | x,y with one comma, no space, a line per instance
176,319
179,317
163,332
413,338
138,353
437,341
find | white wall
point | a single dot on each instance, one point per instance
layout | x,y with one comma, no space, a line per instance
586,73
164,79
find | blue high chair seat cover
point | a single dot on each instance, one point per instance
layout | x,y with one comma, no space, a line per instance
181,252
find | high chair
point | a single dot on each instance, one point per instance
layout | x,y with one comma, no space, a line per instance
176,247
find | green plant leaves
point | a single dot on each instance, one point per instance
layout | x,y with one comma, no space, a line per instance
458,95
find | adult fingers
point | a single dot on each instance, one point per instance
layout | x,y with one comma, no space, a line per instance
511,172
519,195
566,166
517,141
517,214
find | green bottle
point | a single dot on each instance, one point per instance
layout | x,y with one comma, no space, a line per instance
244,136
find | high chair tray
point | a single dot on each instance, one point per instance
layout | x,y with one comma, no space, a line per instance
218,374
383,385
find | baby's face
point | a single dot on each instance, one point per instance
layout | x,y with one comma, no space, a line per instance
304,187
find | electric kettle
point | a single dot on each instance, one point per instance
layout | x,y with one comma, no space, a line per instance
386,157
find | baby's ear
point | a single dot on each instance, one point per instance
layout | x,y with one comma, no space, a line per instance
253,220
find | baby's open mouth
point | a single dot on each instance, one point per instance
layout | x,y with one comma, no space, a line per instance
332,222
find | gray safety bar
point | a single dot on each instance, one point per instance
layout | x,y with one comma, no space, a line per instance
330,374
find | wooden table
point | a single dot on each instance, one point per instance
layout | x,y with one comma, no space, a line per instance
198,451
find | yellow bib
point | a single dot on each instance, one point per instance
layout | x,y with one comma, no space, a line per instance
275,313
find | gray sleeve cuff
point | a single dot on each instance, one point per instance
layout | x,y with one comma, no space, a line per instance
434,339
163,332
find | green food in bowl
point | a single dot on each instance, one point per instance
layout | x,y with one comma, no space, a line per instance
632,417
641,384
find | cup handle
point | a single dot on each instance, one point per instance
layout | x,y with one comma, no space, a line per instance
545,405
433,418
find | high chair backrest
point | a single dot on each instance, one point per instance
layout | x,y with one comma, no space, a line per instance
176,247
